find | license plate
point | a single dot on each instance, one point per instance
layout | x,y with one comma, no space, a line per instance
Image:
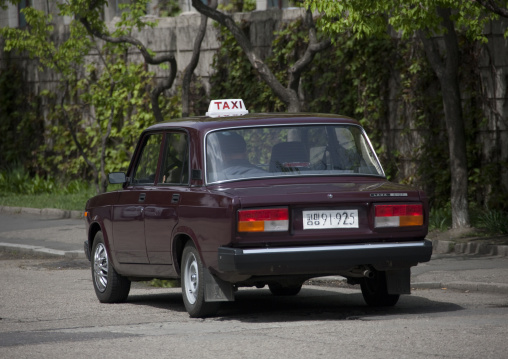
326,219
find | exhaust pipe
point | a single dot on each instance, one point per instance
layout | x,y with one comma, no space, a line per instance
362,271
368,273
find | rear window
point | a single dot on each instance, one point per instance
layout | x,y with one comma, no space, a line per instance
317,150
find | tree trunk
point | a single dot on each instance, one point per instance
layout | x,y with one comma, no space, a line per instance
447,73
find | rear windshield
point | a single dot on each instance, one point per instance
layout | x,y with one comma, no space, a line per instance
247,153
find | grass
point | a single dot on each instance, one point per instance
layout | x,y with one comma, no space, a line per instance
489,220
19,189
495,221
440,219
69,201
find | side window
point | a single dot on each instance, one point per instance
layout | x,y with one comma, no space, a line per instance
174,168
147,163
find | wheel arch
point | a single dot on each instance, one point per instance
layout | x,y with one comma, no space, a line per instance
94,228
179,243
92,231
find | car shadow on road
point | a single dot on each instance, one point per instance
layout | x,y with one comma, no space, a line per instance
313,303
318,303
160,298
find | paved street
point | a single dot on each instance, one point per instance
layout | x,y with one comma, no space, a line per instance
48,309
42,234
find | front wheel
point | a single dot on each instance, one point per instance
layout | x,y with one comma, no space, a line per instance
375,292
110,287
193,284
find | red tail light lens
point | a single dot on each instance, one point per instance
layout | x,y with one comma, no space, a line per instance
398,215
263,220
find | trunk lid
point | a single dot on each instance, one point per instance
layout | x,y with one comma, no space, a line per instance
325,204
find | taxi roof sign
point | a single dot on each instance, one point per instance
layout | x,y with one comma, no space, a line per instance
229,107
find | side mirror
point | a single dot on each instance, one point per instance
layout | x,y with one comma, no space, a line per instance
117,178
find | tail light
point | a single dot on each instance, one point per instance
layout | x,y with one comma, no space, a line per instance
263,220
398,215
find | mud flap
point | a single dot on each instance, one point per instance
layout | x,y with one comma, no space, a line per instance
398,281
217,290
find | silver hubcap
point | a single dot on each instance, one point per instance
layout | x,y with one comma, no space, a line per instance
100,267
191,280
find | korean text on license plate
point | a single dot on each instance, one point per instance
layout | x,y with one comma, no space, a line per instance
326,219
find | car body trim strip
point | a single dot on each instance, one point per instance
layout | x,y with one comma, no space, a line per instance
334,248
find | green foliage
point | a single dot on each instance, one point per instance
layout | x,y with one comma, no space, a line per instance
168,8
368,18
119,99
96,116
21,125
165,283
234,6
494,221
17,180
233,77
440,218
491,221
35,41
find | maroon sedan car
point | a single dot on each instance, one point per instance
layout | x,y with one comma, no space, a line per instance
255,200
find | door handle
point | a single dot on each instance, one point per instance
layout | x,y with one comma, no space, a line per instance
142,197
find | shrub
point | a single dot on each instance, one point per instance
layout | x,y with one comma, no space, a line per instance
494,221
440,218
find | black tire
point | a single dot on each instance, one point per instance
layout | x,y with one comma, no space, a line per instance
110,287
375,293
193,284
280,290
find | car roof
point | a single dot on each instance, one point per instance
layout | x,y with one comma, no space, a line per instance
205,124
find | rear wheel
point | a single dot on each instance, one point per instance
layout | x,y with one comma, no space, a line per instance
193,284
280,290
375,293
110,287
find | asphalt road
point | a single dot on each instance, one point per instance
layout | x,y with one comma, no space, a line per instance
48,309
42,234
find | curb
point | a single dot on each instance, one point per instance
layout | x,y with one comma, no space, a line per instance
42,251
53,213
452,247
463,286
498,288
50,213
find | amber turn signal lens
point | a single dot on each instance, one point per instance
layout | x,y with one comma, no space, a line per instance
398,215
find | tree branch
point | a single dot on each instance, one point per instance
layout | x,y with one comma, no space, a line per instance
189,70
166,84
494,7
288,96
314,47
103,181
72,131
149,59
129,40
